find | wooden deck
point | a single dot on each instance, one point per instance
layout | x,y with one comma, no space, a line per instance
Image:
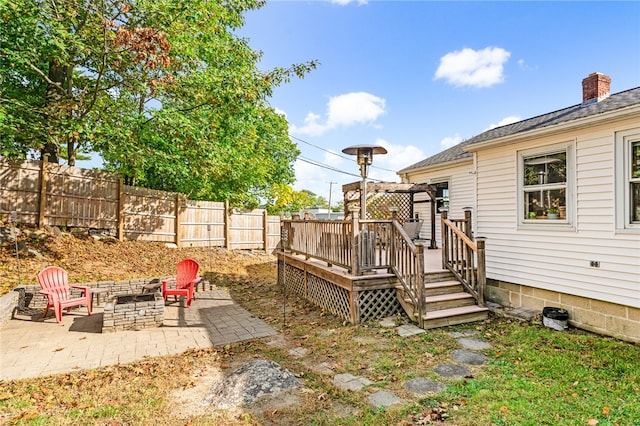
366,270
354,298
432,264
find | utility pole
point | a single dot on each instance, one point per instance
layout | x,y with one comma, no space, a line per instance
330,186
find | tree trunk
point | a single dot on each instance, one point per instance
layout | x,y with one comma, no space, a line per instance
55,98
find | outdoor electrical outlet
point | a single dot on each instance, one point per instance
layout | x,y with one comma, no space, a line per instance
595,264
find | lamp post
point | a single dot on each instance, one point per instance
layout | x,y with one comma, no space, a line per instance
364,155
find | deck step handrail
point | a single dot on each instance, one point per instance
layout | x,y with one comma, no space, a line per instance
464,257
407,264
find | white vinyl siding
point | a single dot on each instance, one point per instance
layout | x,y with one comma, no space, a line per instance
558,258
461,180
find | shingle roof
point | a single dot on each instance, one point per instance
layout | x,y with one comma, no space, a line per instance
616,101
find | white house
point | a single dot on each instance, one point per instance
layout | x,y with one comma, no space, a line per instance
558,198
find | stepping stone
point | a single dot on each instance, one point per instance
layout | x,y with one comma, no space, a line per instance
298,352
350,382
463,333
423,387
384,399
452,370
468,357
407,330
322,368
474,344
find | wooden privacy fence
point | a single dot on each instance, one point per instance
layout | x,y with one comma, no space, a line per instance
42,193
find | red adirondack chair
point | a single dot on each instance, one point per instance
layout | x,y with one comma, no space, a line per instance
55,285
185,281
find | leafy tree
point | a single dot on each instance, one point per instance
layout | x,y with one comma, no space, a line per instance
162,89
284,199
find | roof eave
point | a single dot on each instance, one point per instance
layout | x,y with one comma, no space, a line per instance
617,115
405,172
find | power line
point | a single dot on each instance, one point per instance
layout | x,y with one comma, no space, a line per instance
338,155
325,166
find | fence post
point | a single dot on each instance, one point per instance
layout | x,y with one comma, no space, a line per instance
265,231
227,225
42,202
355,253
178,228
120,218
482,269
445,241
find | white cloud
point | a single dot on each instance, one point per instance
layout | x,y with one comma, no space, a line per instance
476,68
450,141
526,67
507,120
343,110
397,158
311,126
354,108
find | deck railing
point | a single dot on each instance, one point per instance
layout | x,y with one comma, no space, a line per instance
328,240
361,246
462,256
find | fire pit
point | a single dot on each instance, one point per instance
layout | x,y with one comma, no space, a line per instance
133,312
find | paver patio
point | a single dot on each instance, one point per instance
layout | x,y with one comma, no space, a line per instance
32,348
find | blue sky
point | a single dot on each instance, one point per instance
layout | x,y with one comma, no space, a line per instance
418,76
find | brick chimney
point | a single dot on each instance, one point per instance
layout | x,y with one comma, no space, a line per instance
595,87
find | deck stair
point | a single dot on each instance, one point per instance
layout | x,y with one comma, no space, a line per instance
447,302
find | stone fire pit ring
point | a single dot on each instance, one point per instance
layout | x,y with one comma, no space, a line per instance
133,312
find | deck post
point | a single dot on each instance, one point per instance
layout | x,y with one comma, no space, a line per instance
445,241
355,253
420,283
482,271
468,224
392,240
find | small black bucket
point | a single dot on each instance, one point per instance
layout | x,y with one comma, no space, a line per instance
555,318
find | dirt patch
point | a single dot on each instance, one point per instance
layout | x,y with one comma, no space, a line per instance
89,260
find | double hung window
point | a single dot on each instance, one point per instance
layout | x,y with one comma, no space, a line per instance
634,182
628,179
442,195
544,183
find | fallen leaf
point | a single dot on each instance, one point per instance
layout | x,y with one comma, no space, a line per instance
605,411
504,409
58,349
592,422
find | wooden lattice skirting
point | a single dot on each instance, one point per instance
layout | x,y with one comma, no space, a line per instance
354,305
